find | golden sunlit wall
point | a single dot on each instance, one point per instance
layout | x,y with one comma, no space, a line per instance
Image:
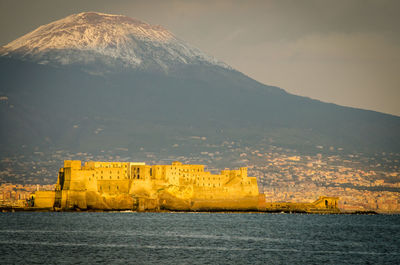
127,178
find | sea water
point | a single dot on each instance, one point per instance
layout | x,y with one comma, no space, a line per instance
198,238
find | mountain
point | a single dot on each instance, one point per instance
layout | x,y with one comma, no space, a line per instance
113,41
94,82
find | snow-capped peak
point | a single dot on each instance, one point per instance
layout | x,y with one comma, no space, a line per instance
91,37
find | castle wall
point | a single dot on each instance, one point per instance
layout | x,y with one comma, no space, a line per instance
132,185
72,199
44,199
104,184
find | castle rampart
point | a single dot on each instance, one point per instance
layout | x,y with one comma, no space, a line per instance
135,185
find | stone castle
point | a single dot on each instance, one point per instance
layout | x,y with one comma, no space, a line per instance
176,187
137,186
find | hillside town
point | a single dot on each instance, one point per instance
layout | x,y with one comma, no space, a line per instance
363,183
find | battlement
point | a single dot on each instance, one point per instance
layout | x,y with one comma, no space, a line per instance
76,164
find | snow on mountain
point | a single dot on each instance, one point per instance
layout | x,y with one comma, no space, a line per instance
90,37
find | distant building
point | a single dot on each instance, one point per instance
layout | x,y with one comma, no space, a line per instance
137,186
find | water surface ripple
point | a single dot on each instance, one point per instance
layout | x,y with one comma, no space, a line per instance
198,238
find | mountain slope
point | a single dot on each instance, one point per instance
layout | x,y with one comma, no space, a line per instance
89,38
157,104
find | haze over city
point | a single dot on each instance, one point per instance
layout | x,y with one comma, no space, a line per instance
271,127
343,52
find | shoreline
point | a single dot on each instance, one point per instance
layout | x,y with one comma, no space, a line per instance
34,209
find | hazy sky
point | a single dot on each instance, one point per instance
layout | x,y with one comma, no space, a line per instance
341,51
